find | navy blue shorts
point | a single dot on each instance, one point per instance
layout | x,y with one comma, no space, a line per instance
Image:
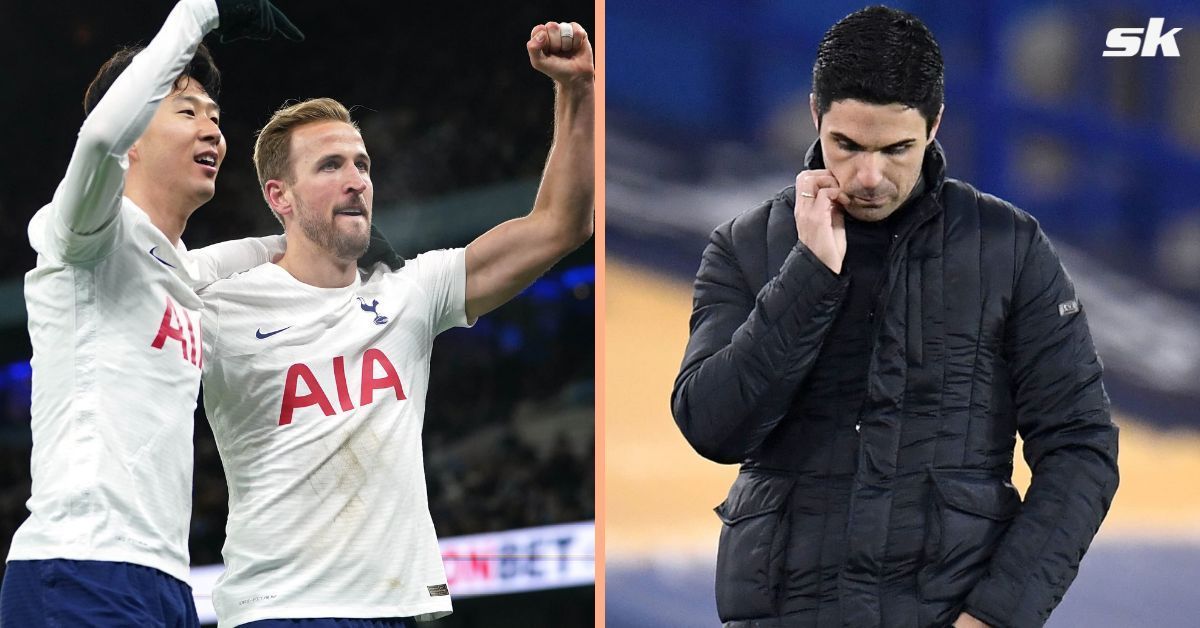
326,622
68,593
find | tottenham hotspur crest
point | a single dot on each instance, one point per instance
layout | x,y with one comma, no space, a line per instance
379,319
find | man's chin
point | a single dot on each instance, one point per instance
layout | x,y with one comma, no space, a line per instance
352,247
870,213
204,192
354,229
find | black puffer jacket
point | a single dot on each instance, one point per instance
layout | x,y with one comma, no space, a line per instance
979,336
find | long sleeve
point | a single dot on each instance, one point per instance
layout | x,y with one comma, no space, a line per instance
223,259
747,354
1070,446
88,199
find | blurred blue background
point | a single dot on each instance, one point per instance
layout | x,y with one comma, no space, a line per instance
1103,150
707,111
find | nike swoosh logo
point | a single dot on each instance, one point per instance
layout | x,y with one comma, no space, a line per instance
159,258
259,333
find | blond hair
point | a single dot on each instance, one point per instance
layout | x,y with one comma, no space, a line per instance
273,146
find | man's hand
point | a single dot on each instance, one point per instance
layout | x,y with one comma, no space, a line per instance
820,223
562,52
966,621
253,19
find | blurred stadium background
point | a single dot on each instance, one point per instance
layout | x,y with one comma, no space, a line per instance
707,115
458,125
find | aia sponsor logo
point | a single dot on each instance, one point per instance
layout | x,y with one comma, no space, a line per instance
378,374
1126,42
177,326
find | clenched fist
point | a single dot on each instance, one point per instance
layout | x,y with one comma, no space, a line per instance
820,223
562,52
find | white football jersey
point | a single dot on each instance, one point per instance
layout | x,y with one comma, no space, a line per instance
116,367
317,399
116,332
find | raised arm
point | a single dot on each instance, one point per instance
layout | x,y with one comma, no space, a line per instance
509,257
89,196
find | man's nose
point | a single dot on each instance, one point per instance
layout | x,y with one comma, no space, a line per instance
209,131
870,169
356,181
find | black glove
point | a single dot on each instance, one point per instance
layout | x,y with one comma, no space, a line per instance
253,19
380,250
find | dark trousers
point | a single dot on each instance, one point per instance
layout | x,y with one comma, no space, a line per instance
90,593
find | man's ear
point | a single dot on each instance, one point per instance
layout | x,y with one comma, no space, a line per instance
812,107
278,196
937,122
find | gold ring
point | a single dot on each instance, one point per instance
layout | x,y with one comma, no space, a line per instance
807,195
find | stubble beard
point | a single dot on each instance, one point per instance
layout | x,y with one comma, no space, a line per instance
324,233
875,214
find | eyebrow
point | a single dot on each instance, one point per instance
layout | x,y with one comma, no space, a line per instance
326,157
841,137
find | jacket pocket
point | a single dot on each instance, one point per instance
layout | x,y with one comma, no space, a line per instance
751,554
967,519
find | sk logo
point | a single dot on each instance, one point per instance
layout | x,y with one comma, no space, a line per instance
379,320
1125,42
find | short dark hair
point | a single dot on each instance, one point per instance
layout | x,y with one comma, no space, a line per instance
201,68
881,56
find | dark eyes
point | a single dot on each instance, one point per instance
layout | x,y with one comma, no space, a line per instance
333,165
890,150
191,113
363,166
